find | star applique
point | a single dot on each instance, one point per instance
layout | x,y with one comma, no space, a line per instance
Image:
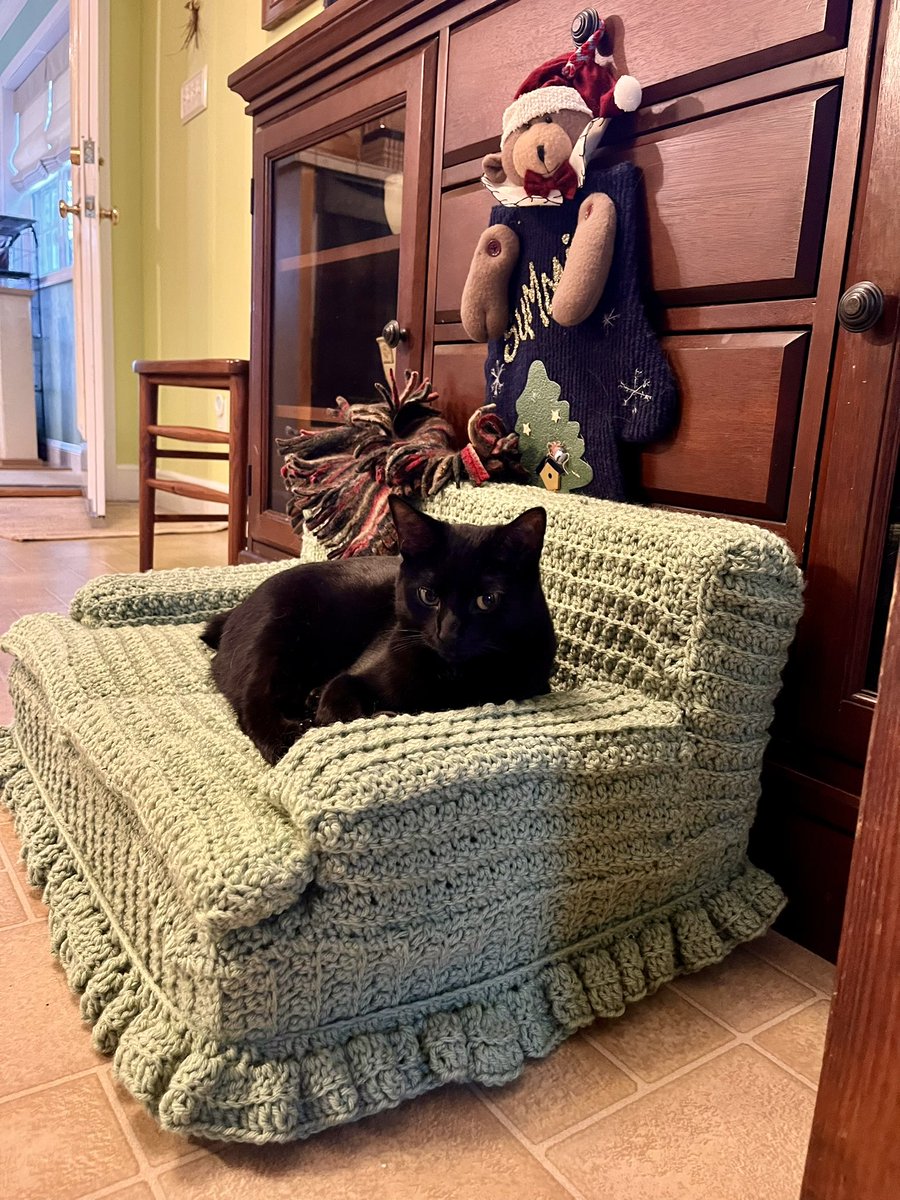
526,429
554,415
609,319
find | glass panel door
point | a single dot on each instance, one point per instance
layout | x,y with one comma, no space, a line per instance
336,225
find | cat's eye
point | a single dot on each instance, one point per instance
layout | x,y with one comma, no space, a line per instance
548,120
487,601
428,596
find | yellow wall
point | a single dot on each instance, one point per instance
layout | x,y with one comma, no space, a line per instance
182,271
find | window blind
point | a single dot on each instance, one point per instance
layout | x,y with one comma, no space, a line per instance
42,115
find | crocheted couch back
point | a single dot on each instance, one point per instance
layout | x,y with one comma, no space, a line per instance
697,610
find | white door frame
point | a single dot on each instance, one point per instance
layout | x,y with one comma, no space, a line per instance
89,60
94,367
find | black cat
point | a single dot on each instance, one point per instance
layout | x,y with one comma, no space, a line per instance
458,619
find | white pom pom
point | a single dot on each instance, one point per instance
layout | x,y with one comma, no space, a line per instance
627,93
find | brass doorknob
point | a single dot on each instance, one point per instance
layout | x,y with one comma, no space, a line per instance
69,210
110,214
860,306
393,334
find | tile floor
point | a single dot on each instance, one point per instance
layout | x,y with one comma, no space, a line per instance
703,1092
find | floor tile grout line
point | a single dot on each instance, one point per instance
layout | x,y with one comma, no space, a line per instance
14,876
534,1149
146,1169
20,924
51,1083
790,974
620,1064
762,1026
113,1189
647,1090
779,1062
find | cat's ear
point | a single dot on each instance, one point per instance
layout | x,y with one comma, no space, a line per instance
418,534
524,536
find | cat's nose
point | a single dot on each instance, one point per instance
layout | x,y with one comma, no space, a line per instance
448,633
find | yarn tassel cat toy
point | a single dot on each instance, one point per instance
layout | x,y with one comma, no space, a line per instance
340,477
573,364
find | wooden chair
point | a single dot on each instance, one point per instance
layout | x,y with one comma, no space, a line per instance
230,373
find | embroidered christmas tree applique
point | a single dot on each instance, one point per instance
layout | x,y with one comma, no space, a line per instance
552,446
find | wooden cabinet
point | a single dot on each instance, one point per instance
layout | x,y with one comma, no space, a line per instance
766,195
340,215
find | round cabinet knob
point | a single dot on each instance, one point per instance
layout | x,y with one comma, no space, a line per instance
860,307
587,22
393,334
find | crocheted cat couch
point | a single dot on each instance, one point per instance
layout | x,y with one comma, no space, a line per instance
402,901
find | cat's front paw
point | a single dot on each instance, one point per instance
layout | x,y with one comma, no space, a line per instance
344,698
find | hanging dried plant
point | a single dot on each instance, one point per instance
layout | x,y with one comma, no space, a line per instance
192,26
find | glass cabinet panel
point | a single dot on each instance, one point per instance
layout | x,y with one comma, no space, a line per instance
335,219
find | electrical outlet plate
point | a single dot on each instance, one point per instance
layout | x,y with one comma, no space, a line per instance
193,96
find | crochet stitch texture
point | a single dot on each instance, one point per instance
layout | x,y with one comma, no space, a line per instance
402,901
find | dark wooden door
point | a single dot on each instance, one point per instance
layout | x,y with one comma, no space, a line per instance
341,216
853,539
813,776
854,1151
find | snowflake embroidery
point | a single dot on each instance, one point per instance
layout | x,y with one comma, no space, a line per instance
636,393
554,415
526,429
497,379
609,319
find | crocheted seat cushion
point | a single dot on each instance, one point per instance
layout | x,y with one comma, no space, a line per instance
402,901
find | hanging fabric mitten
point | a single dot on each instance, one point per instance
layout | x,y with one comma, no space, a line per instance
555,282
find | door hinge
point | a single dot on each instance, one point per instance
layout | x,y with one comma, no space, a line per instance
249,480
252,194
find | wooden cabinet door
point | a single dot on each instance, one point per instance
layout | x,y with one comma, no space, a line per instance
852,546
340,221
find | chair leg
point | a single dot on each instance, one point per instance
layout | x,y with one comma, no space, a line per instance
149,405
237,468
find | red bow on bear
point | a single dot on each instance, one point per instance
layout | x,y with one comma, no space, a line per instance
562,180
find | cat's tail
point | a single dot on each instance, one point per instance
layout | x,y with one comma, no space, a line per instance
212,634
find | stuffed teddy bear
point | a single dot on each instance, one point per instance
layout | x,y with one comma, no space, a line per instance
553,286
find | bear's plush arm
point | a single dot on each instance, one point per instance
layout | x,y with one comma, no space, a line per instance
588,261
485,305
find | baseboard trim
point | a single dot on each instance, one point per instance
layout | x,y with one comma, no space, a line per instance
124,486
65,454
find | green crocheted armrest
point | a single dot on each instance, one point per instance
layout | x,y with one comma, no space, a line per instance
416,817
174,597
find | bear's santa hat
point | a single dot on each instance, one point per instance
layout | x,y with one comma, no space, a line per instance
584,81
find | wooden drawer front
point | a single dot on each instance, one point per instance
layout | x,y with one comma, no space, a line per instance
671,50
464,215
736,203
740,398
458,376
736,206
